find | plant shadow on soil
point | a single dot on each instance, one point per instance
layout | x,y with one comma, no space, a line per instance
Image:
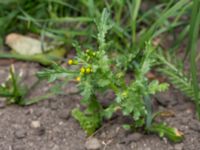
48,125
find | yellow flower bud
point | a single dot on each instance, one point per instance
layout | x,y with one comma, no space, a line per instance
78,79
88,70
82,70
70,62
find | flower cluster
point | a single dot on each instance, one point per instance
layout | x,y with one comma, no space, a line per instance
85,68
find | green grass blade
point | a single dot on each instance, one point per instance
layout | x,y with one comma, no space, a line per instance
165,15
134,9
193,37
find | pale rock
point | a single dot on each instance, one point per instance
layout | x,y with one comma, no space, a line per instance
35,124
92,144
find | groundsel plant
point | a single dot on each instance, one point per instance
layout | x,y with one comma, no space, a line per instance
95,72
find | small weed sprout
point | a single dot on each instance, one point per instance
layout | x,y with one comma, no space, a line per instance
12,89
16,92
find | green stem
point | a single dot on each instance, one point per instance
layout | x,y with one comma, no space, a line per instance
149,117
194,30
134,14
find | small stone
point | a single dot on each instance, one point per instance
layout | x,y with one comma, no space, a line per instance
20,134
92,144
179,146
35,124
64,114
38,128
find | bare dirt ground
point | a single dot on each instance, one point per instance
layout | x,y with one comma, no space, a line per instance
48,125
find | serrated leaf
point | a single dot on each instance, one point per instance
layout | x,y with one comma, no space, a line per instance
86,89
89,123
154,87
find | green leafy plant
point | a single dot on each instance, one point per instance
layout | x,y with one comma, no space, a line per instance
95,71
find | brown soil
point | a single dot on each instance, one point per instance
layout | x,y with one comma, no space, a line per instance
57,130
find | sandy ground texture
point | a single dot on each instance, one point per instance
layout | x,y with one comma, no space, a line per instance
48,124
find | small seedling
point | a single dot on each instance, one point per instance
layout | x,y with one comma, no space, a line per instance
12,89
16,92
